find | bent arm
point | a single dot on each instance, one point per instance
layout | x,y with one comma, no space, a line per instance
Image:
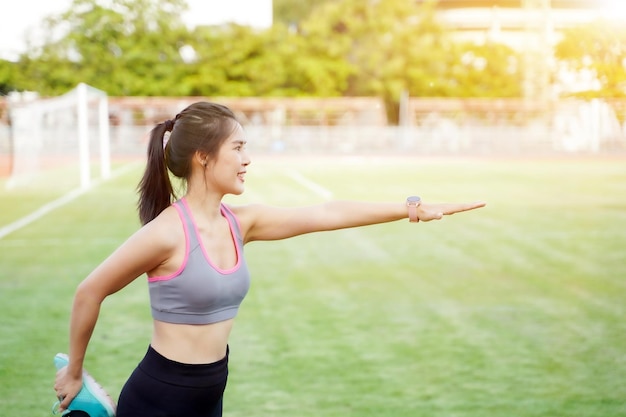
116,272
142,252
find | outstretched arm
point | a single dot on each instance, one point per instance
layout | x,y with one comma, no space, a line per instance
261,222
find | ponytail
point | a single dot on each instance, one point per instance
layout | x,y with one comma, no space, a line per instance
155,188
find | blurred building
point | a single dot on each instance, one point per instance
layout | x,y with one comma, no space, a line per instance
512,21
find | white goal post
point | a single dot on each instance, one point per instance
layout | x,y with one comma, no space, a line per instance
57,132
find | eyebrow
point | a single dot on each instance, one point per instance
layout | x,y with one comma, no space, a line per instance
239,142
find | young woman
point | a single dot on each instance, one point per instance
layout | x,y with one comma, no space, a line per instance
192,253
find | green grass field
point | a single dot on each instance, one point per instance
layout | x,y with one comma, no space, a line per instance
517,309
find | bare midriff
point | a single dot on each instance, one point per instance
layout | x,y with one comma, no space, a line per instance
192,343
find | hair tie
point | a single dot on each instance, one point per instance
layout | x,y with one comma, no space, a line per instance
169,125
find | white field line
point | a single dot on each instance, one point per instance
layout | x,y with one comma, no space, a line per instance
311,185
55,242
61,201
357,238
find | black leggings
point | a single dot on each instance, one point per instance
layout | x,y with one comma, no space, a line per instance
160,387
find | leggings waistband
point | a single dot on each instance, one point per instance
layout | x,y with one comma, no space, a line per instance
197,375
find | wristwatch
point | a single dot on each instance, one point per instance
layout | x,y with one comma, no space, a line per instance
412,202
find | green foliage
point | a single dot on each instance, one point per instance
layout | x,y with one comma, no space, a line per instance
127,49
236,60
599,47
490,70
8,71
391,46
395,46
337,48
292,12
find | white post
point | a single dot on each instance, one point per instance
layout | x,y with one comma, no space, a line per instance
105,148
404,120
596,125
83,136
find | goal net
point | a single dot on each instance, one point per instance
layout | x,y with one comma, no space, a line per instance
61,139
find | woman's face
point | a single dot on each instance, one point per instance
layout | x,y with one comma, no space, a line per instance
228,170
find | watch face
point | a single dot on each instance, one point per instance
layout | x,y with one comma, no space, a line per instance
413,199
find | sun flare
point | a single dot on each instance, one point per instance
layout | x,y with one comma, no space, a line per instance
614,9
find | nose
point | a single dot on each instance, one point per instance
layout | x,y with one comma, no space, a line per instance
246,159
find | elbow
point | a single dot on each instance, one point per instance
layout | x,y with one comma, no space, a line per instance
86,293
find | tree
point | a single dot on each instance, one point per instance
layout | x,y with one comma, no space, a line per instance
597,48
489,70
129,48
395,46
391,46
235,60
342,48
8,72
292,12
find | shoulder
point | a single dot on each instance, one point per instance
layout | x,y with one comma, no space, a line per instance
166,230
246,212
245,216
256,219
149,248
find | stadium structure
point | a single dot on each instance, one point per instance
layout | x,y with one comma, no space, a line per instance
509,21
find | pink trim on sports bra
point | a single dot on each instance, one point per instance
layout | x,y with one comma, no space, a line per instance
204,252
226,208
182,266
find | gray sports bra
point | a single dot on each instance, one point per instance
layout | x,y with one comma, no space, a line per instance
200,292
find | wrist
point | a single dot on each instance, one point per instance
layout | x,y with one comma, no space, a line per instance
412,203
74,372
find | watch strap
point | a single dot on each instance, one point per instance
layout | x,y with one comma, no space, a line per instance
412,203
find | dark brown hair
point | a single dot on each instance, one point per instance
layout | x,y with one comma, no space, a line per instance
200,127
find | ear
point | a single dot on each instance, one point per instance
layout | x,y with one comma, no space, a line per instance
201,157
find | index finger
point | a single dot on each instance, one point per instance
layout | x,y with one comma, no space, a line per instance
452,208
65,402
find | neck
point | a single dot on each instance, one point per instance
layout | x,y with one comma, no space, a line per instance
204,204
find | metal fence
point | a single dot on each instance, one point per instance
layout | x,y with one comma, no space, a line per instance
358,126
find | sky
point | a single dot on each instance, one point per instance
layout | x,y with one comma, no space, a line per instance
23,17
